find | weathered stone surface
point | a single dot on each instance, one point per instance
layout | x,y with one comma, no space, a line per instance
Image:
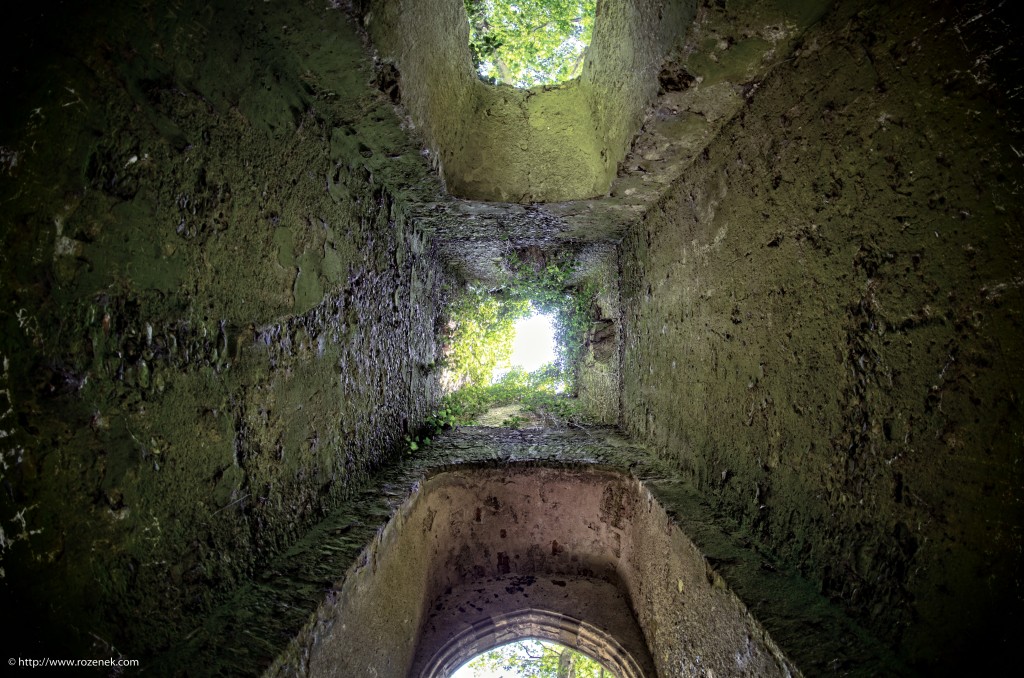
636,496
821,330
502,144
217,318
224,254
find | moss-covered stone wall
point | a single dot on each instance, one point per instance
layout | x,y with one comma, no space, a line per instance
822,323
219,310
217,317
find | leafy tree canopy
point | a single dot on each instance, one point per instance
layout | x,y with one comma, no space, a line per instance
481,321
482,335
529,42
534,659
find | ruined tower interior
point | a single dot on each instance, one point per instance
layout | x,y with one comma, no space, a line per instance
230,231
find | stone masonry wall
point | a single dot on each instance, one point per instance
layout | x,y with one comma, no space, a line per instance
216,316
822,323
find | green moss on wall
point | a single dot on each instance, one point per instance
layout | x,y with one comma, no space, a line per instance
217,319
821,328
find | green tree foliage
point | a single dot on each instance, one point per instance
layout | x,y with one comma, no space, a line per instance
549,290
481,321
482,335
529,42
536,659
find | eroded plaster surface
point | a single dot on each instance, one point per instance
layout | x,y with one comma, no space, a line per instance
589,543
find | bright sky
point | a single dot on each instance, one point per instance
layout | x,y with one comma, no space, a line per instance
534,343
465,672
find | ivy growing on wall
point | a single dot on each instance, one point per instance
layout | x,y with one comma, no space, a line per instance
529,42
550,289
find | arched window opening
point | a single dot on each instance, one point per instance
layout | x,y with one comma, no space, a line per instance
525,43
512,645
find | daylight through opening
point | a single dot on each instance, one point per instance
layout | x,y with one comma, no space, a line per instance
531,643
533,344
511,349
529,42
532,658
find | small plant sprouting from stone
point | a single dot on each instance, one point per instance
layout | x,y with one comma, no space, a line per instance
515,421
